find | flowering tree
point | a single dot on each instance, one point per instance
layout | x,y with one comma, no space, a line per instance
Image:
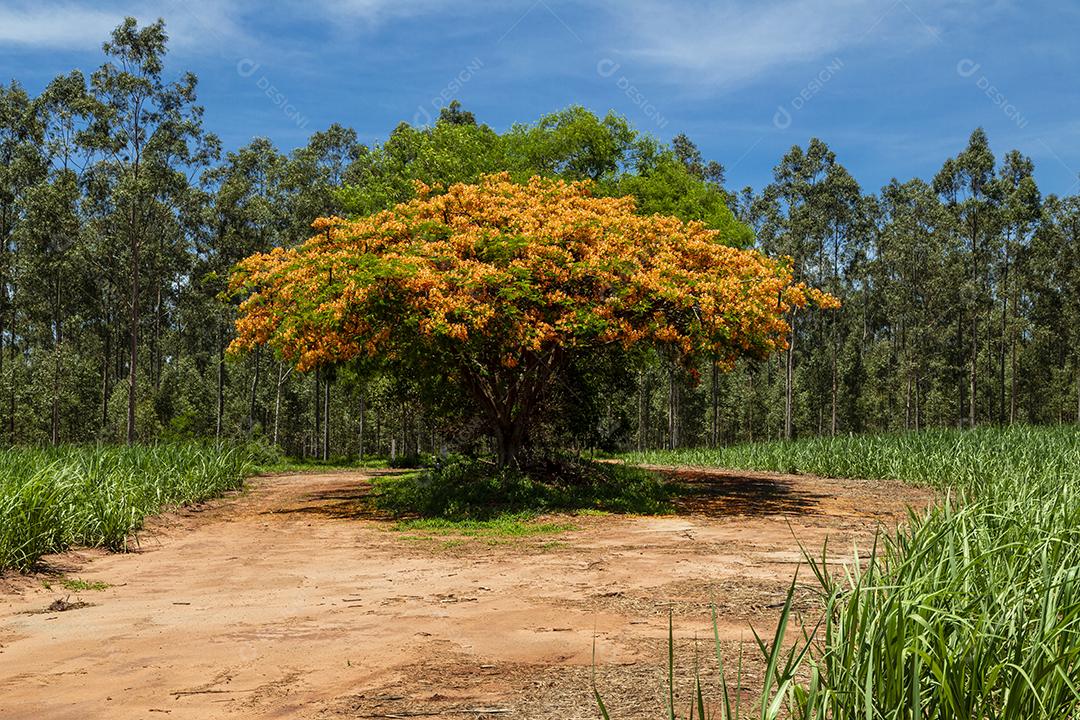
497,286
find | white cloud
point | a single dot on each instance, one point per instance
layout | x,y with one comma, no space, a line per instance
63,27
728,43
71,26
373,12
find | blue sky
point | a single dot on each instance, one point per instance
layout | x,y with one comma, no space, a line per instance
893,86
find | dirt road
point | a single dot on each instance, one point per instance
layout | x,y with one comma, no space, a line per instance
287,602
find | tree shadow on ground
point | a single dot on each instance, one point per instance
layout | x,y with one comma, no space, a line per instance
693,492
720,495
351,502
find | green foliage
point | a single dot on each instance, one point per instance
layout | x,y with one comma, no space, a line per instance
971,610
52,499
77,585
504,525
972,461
465,489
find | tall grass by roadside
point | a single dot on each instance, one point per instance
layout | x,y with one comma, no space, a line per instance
55,498
943,459
969,611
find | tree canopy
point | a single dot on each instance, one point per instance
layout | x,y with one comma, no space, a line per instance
497,285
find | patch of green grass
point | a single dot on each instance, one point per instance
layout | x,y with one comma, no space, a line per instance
55,498
510,525
506,529
471,490
940,458
77,585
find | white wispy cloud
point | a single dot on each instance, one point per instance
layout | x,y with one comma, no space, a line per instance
191,24
377,11
728,43
59,27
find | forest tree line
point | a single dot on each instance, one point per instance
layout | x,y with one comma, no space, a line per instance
121,217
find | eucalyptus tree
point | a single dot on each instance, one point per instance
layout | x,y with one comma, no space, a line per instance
1050,362
57,281
1020,211
244,213
149,137
915,300
966,185
22,166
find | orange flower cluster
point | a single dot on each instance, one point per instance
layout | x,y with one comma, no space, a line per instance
507,271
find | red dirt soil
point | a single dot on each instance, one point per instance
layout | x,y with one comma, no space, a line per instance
290,601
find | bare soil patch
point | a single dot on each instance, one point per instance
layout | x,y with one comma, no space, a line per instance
290,600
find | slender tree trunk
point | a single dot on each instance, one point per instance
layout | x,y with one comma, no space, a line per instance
326,419
834,353
156,352
360,431
133,351
317,433
750,407
277,398
673,410
907,402
789,381
641,428
715,393
1012,378
918,409
254,390
973,388
1004,333
106,356
57,339
961,388
14,369
220,414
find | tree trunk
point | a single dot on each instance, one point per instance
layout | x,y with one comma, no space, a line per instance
641,428
715,393
326,419
156,352
960,394
673,411
254,390
973,388
834,353
316,432
13,400
57,339
106,352
277,399
789,381
220,382
133,350
360,431
508,442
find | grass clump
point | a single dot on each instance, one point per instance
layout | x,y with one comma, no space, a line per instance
970,610
948,459
77,585
463,489
55,498
507,525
